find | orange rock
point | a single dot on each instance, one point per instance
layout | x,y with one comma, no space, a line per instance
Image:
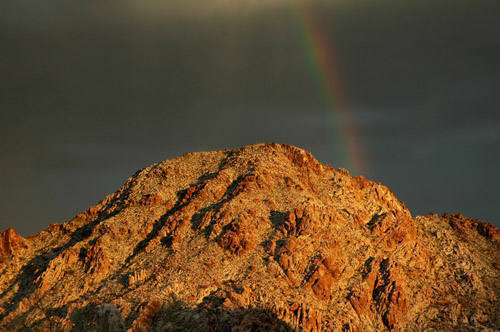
261,237
96,261
147,313
360,301
237,239
150,200
11,242
322,282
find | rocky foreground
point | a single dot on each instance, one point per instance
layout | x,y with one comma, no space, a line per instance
258,238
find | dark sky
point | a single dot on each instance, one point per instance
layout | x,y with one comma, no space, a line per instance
91,91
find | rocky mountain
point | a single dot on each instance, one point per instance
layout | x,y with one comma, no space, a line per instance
260,238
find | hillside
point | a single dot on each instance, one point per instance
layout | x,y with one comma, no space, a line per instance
261,237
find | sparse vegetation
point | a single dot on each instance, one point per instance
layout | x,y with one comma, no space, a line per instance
258,238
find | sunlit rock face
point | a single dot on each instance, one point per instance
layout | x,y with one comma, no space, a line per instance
261,237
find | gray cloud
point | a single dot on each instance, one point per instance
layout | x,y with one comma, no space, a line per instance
92,91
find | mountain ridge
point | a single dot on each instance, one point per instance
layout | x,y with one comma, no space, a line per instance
264,235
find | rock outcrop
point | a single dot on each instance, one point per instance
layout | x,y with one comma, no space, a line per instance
11,243
263,237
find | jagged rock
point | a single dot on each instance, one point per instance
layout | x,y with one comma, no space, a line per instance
56,269
261,237
11,242
96,261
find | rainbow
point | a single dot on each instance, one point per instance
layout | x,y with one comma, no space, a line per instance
324,65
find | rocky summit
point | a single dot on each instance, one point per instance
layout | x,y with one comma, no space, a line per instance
260,238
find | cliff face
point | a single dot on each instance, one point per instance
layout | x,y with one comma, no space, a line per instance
264,237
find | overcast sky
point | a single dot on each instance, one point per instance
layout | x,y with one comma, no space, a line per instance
91,91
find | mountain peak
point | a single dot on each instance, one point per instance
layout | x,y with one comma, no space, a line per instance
261,236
